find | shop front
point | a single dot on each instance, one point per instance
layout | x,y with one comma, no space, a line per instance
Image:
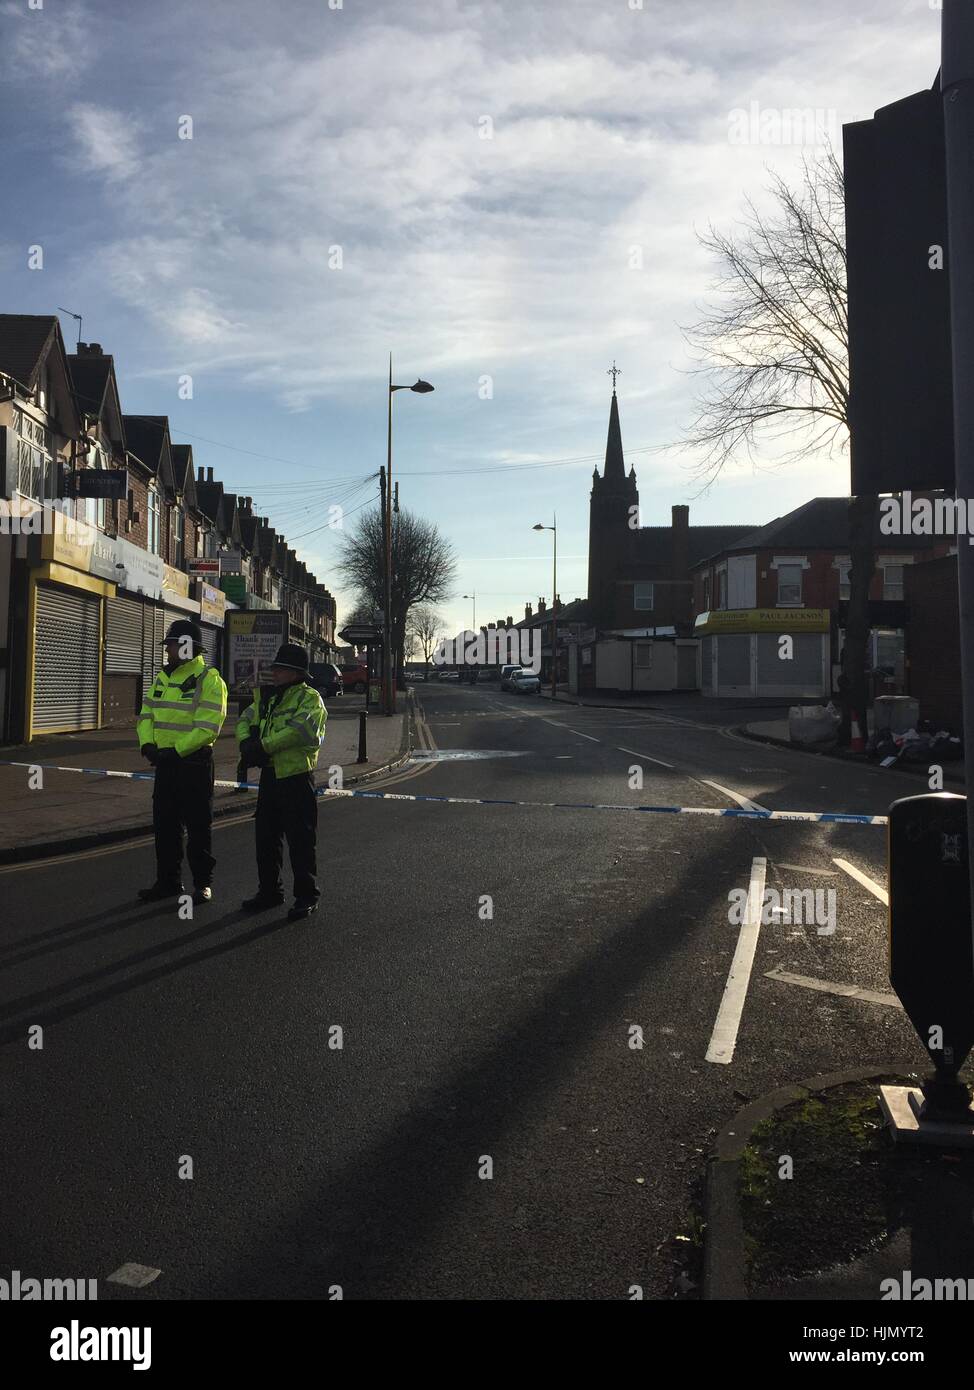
134,624
771,652
213,608
65,632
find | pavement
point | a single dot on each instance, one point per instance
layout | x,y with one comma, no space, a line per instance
491,1067
46,810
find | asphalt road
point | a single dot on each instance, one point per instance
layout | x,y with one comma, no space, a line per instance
486,965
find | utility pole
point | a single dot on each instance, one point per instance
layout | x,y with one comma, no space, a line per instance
554,609
957,84
388,685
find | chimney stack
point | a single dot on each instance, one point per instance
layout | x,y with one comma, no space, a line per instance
199,474
89,350
542,606
527,612
209,475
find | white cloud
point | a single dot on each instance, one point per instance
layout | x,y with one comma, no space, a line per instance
106,140
52,42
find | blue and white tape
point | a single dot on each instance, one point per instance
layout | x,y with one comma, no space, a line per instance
736,813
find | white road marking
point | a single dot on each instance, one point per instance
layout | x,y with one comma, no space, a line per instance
807,869
569,730
871,996
724,1037
744,801
134,1276
645,756
876,889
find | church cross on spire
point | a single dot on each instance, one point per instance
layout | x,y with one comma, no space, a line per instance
613,372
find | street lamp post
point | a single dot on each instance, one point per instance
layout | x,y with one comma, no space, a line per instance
388,684
475,633
554,601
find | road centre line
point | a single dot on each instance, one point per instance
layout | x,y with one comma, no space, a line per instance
875,888
871,996
569,730
723,1040
744,801
645,757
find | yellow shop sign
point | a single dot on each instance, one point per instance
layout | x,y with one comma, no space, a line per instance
67,541
745,620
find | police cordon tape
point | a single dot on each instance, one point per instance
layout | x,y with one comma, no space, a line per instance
737,813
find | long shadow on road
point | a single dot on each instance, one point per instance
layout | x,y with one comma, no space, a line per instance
364,1226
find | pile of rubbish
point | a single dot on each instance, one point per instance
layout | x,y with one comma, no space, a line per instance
924,744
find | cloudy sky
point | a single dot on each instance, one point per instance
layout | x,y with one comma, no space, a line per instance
459,183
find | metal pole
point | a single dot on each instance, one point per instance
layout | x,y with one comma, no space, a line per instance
554,610
957,83
387,682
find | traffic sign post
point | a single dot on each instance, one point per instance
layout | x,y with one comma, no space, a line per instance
931,961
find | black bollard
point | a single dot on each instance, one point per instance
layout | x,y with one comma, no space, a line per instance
363,752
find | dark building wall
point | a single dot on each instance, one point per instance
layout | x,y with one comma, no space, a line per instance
933,640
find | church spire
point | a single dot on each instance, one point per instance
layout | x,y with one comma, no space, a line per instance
615,467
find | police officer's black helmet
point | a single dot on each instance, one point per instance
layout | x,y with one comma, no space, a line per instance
292,658
185,627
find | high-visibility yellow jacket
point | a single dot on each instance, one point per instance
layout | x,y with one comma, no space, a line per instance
290,723
184,709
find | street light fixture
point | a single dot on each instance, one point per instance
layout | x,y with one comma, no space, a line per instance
554,601
388,684
474,597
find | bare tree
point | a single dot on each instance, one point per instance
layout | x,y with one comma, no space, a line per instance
774,355
425,625
423,567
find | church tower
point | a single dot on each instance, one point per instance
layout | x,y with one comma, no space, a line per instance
613,521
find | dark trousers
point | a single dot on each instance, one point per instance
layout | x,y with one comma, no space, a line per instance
183,799
287,808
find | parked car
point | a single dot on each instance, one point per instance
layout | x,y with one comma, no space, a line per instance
326,679
355,677
525,683
506,673
450,676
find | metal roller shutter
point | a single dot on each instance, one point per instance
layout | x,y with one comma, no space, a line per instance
154,627
804,669
67,657
734,660
123,636
211,646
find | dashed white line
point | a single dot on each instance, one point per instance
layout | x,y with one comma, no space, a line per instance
876,889
723,1040
568,730
744,801
645,756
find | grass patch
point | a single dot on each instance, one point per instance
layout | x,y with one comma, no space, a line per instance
850,1185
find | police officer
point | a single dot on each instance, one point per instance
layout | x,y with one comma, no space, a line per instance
180,721
281,733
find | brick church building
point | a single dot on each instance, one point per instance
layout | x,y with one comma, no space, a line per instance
639,577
